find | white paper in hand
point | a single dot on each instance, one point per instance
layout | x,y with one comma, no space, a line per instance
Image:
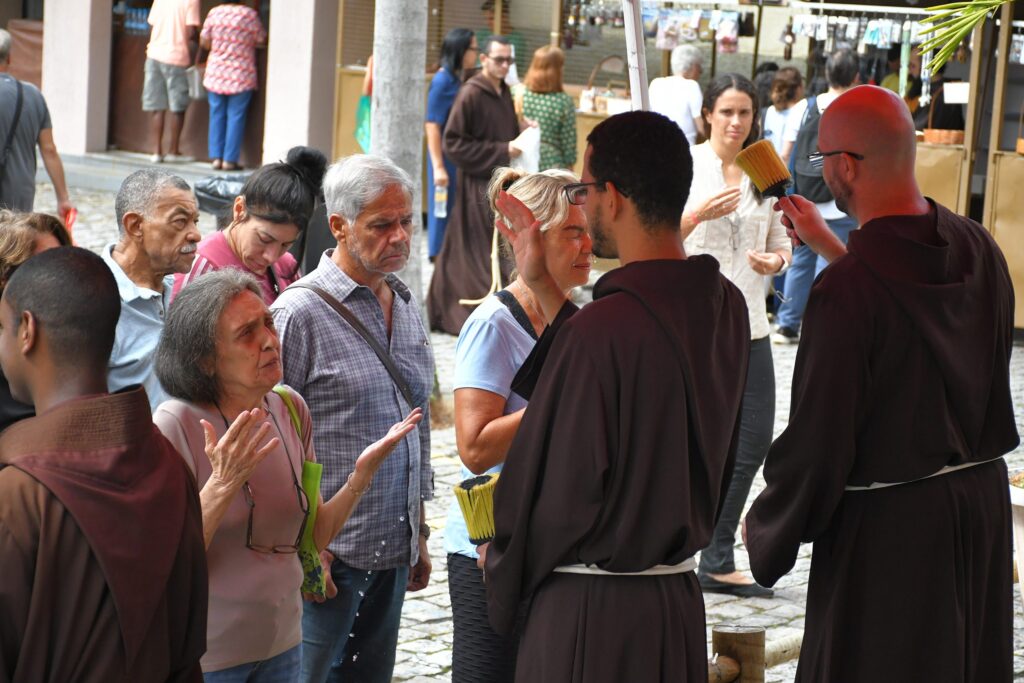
529,142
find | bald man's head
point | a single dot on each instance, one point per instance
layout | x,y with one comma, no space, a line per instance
873,127
874,122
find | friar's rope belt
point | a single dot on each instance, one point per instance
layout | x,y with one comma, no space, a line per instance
687,565
945,470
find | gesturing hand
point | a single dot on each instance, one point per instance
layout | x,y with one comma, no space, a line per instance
236,454
373,455
722,204
764,263
522,230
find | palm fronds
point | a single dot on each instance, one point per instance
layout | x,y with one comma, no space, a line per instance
953,22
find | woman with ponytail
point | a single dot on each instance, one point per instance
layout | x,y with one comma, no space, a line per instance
269,215
494,342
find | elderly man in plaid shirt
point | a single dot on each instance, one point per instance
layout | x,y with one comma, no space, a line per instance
353,397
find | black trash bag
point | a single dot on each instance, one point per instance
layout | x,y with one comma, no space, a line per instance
216,194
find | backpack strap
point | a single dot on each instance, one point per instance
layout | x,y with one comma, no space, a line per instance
6,151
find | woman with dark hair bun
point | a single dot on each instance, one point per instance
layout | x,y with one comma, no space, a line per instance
459,53
269,215
727,218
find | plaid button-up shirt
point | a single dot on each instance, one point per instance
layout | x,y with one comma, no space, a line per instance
353,402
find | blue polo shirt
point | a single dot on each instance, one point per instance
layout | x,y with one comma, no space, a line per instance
133,360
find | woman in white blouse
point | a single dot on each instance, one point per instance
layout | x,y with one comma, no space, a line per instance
726,217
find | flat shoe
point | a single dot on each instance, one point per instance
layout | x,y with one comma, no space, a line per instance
740,590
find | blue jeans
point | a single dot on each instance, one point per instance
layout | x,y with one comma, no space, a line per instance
284,668
227,123
353,636
801,274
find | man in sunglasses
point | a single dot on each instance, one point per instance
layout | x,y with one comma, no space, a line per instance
891,464
480,136
102,564
620,464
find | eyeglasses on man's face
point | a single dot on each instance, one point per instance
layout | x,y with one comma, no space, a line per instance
577,193
504,61
817,159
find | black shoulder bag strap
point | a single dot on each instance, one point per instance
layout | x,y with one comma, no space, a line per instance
358,326
10,134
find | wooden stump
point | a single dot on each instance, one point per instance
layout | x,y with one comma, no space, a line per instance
743,644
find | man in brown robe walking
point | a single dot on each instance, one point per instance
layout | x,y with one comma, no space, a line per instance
616,475
102,565
901,411
478,138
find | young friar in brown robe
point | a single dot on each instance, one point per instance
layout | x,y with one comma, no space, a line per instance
617,472
891,464
102,565
477,138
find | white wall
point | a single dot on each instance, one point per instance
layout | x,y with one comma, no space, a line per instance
300,76
76,72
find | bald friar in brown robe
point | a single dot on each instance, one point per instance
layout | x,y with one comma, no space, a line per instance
476,137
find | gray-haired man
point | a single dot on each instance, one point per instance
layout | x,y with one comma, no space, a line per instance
351,394
157,221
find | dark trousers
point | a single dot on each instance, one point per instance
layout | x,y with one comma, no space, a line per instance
479,655
757,419
353,636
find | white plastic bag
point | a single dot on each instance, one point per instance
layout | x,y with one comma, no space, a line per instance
529,142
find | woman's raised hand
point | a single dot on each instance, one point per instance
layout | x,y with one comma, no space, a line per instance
722,204
522,230
373,455
236,454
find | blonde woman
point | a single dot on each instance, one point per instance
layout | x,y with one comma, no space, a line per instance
494,342
543,99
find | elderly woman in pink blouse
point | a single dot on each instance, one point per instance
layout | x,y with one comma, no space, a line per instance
232,32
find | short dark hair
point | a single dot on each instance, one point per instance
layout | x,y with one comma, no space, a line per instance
141,190
188,343
647,158
485,49
745,86
74,298
453,49
842,67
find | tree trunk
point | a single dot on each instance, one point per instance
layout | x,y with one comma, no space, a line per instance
399,106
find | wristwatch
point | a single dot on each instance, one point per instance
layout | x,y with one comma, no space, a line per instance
424,531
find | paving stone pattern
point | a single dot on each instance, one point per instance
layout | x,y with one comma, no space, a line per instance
424,650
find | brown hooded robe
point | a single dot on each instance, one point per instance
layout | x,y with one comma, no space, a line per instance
102,564
903,368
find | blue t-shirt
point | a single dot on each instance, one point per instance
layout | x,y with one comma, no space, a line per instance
444,86
491,348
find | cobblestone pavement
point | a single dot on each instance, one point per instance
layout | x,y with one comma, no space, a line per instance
425,641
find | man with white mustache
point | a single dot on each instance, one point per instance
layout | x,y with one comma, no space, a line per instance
157,220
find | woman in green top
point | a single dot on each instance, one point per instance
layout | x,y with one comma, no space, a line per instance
543,100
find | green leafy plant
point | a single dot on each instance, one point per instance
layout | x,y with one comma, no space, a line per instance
952,23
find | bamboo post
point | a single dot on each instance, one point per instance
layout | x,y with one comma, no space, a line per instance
636,54
998,104
977,93
744,644
499,9
556,22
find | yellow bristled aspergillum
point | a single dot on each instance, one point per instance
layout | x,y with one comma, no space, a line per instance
766,169
476,499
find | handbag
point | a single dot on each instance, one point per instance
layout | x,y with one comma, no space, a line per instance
363,122
194,76
941,136
313,579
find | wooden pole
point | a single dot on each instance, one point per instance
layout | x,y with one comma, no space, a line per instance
977,93
723,669
556,23
998,103
743,644
499,9
757,38
782,650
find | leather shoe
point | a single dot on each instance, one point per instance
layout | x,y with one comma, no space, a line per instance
740,590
